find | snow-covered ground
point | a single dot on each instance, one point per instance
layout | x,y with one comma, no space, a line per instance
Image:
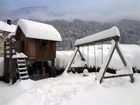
75,89
72,89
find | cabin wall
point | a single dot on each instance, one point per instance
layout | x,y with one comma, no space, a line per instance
35,48
20,41
48,50
30,48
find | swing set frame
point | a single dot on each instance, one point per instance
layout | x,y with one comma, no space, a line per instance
111,34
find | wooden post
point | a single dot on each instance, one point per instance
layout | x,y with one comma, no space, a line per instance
82,58
8,47
104,67
6,71
6,66
43,71
53,73
125,62
71,60
12,68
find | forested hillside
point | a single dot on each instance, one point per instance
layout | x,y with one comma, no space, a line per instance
70,31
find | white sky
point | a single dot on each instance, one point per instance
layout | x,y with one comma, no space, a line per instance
98,10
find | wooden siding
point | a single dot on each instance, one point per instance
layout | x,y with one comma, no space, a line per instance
35,48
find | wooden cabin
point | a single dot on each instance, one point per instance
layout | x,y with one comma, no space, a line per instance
36,40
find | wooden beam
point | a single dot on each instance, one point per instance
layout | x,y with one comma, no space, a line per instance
114,76
6,66
71,60
121,75
104,67
82,58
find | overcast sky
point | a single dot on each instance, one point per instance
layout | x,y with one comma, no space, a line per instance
98,10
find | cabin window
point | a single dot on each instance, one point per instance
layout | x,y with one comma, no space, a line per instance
44,44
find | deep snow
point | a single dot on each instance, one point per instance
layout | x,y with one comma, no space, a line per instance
112,92
73,89
76,89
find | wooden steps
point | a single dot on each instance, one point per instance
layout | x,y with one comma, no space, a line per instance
22,68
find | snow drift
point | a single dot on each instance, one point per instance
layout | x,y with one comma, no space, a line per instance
131,52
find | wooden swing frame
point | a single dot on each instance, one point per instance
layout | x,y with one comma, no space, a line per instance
114,37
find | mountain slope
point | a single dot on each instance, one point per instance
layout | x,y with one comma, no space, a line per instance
71,31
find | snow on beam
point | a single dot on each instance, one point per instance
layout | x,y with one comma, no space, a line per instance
98,37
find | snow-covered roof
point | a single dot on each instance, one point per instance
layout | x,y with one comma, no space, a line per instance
106,34
6,27
9,36
37,30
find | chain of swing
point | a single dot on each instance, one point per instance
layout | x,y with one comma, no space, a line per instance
94,57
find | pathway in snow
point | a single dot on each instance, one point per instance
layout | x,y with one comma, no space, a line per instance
72,89
44,92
